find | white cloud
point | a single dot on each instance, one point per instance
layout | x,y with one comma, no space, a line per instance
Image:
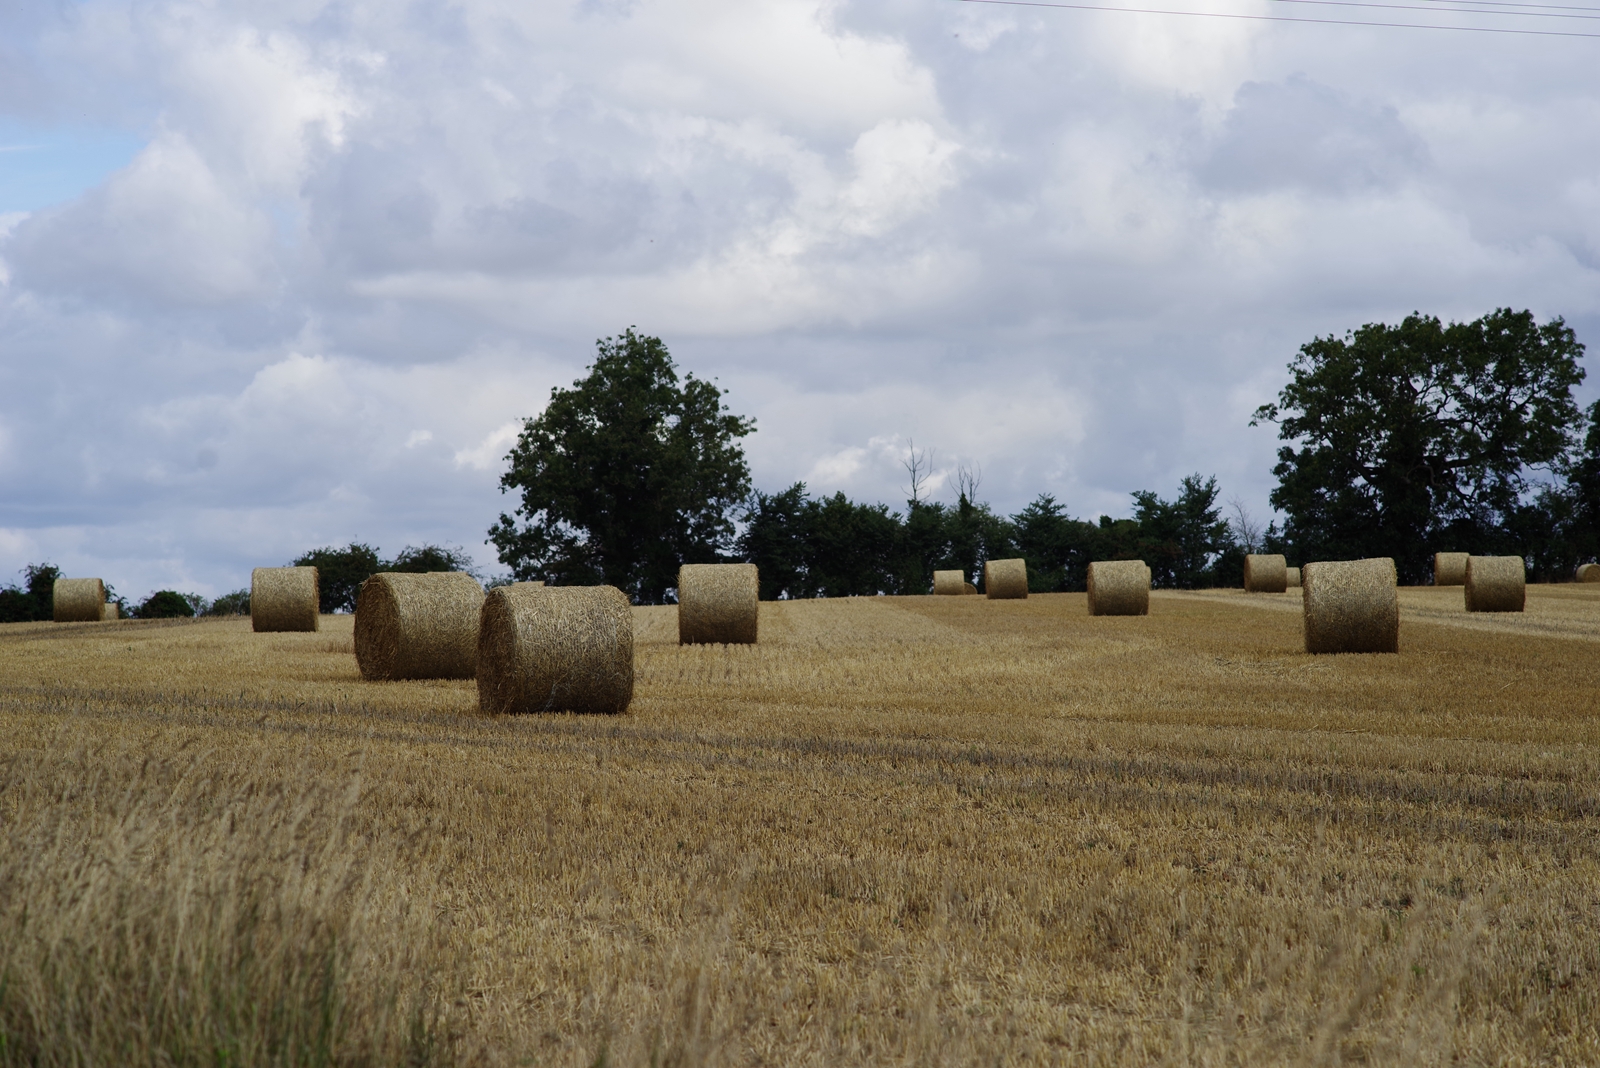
489,452
362,243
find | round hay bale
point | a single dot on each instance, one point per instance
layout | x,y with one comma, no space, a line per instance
1005,579
284,598
949,583
1496,583
1588,573
1291,577
969,589
555,649
1351,606
1265,573
1119,588
1449,569
79,600
411,626
110,611
718,604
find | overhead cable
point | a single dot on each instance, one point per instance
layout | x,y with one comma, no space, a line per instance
1284,18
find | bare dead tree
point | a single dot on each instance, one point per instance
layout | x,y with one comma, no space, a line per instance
1246,529
919,465
968,479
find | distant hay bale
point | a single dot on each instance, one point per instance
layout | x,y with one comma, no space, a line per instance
1588,573
1496,583
1351,606
969,589
950,583
418,626
1291,577
1449,569
110,611
1265,573
284,598
1005,579
718,604
79,600
555,649
1119,588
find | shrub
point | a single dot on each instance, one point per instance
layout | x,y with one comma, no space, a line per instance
165,604
236,603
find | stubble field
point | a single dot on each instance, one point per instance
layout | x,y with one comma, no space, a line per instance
897,831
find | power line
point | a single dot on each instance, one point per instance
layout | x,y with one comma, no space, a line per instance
1458,10
1283,18
1509,3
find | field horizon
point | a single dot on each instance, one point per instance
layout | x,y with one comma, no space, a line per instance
897,830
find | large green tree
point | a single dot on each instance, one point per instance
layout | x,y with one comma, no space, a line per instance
1410,439
1180,539
625,476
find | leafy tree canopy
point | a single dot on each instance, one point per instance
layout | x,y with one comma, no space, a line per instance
340,572
1411,439
165,604
1180,539
626,475
35,599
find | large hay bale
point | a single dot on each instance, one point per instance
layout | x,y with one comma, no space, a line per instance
718,604
1449,569
1119,588
1351,606
555,649
950,583
1265,573
110,611
411,626
1496,583
1291,577
1588,573
1005,579
284,598
79,600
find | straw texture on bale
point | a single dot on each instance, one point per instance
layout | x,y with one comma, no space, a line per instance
1005,579
969,589
1291,577
412,626
79,600
1351,606
1588,573
718,604
1119,588
1449,569
1266,573
284,598
555,649
110,611
950,583
1496,583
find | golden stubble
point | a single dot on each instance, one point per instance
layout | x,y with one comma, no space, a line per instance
905,830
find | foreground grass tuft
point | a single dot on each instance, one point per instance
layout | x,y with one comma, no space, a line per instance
186,911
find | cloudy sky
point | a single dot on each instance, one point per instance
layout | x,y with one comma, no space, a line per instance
276,276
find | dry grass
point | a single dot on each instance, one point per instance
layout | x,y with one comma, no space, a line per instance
899,830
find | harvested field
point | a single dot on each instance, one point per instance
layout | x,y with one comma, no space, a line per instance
926,830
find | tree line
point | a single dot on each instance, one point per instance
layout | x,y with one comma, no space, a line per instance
1399,441
833,547
340,573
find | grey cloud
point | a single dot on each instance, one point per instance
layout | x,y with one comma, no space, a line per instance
1298,134
1074,250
